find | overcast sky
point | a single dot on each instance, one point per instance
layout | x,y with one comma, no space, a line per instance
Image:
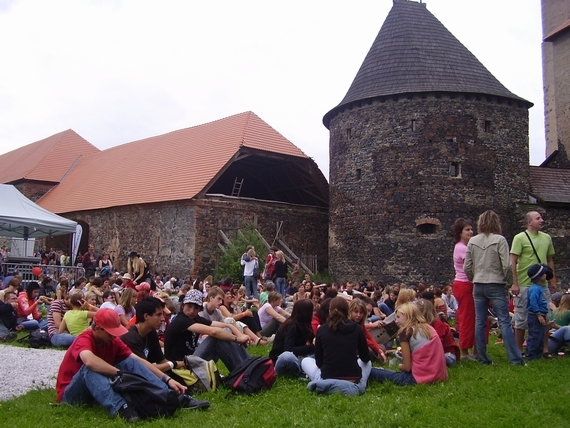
118,71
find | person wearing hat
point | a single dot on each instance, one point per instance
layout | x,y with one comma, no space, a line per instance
537,307
181,337
143,290
95,357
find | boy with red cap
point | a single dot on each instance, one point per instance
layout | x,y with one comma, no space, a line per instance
97,355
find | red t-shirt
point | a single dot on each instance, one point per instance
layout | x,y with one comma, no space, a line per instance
111,353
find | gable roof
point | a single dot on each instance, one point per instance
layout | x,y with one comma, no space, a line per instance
45,160
174,166
413,53
550,185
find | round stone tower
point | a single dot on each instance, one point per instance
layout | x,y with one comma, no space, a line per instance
424,135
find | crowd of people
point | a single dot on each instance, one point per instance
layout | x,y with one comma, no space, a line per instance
173,331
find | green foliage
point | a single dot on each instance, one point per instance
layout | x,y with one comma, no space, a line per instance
229,264
474,396
322,277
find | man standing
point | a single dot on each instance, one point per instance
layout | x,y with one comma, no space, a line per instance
95,357
529,247
89,261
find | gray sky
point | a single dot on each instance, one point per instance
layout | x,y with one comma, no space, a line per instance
117,71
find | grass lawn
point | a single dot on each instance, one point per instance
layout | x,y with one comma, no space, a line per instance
474,396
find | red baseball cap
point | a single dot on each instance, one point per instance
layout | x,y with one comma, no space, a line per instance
109,321
143,286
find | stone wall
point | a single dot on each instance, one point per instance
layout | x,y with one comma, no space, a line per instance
180,238
403,169
33,190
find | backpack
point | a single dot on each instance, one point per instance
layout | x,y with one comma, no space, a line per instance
148,399
252,375
36,339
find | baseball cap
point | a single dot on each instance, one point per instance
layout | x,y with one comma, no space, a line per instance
194,296
143,286
109,321
536,271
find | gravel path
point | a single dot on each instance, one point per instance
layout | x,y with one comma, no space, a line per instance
32,369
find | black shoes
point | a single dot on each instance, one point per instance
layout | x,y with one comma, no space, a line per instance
128,414
188,402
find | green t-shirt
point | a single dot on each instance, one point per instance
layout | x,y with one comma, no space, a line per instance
560,320
263,297
522,248
76,321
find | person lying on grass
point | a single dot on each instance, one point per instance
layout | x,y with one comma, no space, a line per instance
423,360
95,357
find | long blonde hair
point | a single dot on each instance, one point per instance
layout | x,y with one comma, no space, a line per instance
563,307
358,305
415,321
405,295
126,299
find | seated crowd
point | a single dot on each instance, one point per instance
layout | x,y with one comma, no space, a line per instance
174,332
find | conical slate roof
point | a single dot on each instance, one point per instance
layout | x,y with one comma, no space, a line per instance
413,53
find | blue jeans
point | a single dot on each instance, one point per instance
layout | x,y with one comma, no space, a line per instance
331,386
280,287
399,378
288,364
33,324
558,339
214,349
63,340
88,386
497,295
535,339
251,287
385,309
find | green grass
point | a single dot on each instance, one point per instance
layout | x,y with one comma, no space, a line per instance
474,396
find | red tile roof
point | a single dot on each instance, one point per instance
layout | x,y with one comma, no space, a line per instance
45,160
169,167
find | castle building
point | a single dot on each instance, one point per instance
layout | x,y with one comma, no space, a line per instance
424,135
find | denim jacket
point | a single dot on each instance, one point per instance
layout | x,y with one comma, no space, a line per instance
488,261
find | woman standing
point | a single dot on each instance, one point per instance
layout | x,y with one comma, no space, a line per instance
463,289
487,264
280,274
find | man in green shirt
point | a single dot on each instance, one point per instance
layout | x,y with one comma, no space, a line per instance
522,257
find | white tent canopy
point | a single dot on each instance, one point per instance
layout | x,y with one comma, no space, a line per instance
21,218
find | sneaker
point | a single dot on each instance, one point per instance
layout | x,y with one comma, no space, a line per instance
128,414
10,337
188,402
271,339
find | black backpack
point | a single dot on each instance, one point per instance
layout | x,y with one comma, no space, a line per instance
252,375
36,339
149,400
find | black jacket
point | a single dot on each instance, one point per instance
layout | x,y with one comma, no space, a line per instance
8,315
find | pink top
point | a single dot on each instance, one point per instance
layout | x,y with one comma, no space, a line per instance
428,361
458,260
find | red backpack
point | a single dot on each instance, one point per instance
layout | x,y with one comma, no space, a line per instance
252,375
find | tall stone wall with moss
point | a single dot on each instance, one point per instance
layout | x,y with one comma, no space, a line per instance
402,169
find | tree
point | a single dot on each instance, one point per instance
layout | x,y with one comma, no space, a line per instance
229,264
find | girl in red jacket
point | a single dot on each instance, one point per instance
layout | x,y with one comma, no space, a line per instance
358,312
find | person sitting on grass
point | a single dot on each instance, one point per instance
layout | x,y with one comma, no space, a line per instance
95,357
293,340
405,295
271,314
423,360
212,311
537,308
268,287
320,315
76,320
357,312
9,317
342,361
450,347
12,286
126,306
28,302
222,342
56,312
143,340
560,320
